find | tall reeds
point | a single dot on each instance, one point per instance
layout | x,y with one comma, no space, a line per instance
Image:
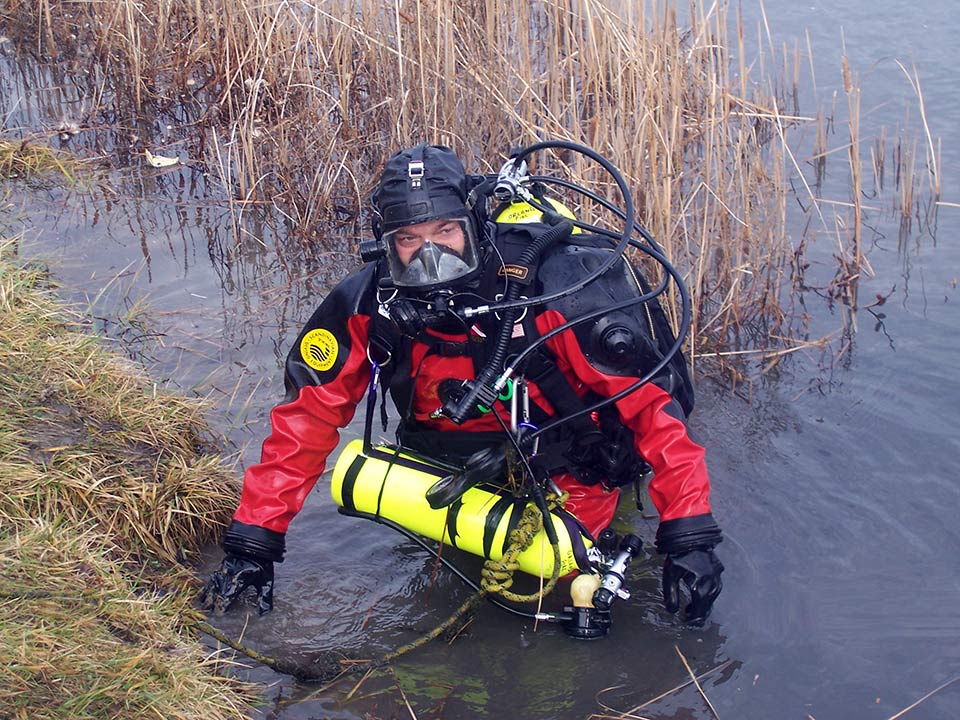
297,103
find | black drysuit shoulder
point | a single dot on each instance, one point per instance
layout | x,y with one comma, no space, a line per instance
324,344
627,342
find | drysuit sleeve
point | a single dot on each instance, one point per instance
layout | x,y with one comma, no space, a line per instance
326,374
680,487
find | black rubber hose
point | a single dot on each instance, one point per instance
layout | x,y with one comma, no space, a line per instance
530,254
600,200
652,248
480,392
624,238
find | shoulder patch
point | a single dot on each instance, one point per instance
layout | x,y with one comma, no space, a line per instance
319,349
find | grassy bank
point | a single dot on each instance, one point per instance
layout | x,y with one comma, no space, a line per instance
108,487
22,160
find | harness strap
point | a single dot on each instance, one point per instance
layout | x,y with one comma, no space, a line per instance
573,446
444,348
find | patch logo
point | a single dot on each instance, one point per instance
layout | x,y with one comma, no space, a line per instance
515,271
319,349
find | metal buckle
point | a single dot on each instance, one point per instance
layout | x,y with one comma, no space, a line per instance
415,172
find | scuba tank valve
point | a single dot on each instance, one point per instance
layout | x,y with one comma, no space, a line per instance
611,586
511,178
589,617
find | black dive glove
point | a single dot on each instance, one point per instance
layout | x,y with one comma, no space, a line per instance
699,570
250,554
235,575
688,544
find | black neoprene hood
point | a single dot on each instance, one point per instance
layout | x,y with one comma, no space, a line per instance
419,184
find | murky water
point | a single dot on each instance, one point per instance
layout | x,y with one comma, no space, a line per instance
836,486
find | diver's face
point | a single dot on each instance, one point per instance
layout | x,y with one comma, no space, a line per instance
408,240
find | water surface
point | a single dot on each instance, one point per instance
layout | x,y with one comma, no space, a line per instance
836,485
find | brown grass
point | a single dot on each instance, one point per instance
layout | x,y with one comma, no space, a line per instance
106,485
25,160
104,444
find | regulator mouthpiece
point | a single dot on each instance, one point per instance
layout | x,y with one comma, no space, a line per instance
582,589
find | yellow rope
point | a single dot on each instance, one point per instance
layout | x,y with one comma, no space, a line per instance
496,577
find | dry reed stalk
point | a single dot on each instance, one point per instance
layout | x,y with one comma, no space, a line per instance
933,155
300,103
632,713
813,74
856,167
930,694
696,682
905,157
403,695
878,156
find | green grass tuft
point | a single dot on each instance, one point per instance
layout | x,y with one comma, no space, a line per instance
107,485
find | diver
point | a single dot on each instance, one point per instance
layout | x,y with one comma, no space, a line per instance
417,313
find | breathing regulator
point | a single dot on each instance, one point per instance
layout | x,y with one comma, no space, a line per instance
433,276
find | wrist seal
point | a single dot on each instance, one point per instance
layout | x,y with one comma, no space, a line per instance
254,542
681,535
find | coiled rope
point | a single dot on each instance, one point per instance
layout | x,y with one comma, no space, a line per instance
496,577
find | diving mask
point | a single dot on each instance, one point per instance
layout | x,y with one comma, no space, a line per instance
431,254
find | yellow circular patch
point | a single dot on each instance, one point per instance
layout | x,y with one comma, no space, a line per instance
319,349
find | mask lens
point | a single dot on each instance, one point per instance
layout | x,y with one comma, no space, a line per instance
431,253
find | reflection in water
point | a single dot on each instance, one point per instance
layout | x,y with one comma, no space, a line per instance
501,668
205,289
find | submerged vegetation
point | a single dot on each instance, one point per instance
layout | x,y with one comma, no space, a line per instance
107,485
23,160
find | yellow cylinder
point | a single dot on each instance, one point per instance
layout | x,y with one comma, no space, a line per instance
478,523
520,212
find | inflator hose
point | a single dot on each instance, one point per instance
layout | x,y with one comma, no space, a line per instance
530,254
481,391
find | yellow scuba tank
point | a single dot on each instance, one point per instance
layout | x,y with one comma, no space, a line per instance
519,212
478,522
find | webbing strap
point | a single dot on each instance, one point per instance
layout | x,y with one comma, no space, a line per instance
492,522
350,482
